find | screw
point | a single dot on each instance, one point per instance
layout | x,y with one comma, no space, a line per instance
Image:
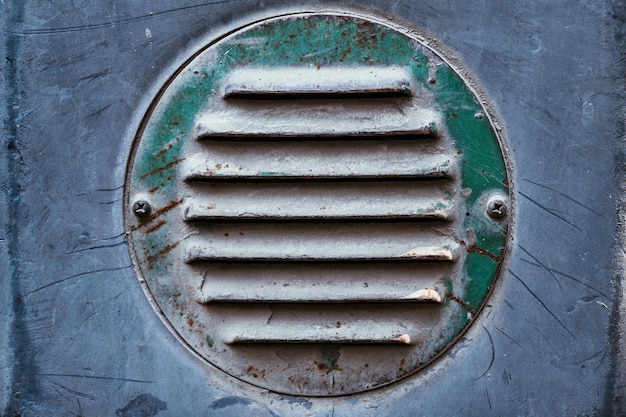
141,208
496,207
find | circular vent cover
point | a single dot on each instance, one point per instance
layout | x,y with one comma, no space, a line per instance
317,203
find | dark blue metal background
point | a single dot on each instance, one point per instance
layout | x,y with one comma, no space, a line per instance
78,336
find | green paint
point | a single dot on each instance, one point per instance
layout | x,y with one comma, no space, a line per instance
482,170
329,357
210,341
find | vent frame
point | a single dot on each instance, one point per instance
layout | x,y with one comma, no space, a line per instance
155,239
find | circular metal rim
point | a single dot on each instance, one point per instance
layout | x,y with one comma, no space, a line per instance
394,24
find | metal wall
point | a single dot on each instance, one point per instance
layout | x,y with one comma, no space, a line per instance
79,338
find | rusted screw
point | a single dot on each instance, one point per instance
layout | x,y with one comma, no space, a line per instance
496,207
141,208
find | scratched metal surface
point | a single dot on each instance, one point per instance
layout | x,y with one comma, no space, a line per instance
79,337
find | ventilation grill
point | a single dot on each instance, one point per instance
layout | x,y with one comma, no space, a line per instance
327,195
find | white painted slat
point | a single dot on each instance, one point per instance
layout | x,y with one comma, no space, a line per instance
288,118
335,200
233,159
320,241
368,332
332,282
277,81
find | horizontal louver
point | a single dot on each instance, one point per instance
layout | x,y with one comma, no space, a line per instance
319,190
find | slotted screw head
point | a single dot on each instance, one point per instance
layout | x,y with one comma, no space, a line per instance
141,208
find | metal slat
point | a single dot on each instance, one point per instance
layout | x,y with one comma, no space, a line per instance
336,200
334,282
277,81
320,241
228,159
366,334
345,323
219,291
331,118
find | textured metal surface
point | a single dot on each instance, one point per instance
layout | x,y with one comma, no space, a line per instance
287,156
78,335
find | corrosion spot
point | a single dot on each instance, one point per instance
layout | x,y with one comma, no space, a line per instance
163,168
162,252
484,252
155,227
462,303
255,372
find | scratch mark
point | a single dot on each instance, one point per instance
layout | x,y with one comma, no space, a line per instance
80,409
542,265
105,378
599,353
566,196
111,298
509,337
86,319
112,24
108,203
114,237
73,392
542,304
553,213
77,276
581,282
488,399
109,189
112,245
96,75
493,357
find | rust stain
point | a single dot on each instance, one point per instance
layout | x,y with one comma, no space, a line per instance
171,205
153,189
256,373
323,367
157,226
218,166
482,251
462,303
163,168
167,148
162,252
